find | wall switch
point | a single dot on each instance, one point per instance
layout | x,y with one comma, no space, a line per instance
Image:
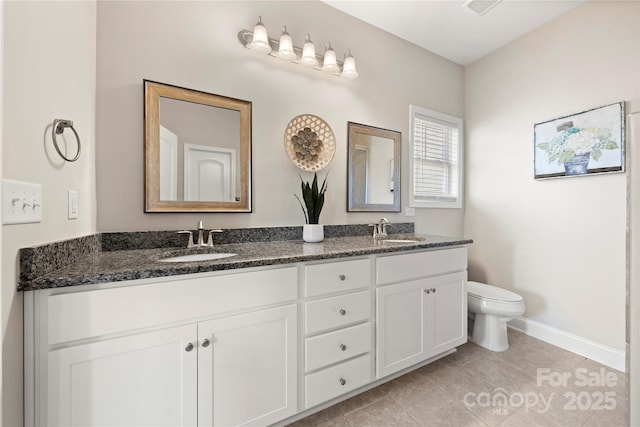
21,202
409,211
73,204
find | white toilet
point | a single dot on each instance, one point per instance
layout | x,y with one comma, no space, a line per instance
490,308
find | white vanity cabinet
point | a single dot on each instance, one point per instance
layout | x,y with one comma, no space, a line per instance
246,375
338,329
247,347
218,350
421,307
142,379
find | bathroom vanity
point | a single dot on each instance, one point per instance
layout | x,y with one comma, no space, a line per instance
260,340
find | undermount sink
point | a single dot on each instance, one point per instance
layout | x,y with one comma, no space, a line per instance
198,257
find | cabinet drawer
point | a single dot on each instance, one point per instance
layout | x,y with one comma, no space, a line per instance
409,266
332,382
338,311
155,304
336,346
323,279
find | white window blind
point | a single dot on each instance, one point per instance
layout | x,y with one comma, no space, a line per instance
436,145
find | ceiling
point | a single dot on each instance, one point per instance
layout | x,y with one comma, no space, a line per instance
451,29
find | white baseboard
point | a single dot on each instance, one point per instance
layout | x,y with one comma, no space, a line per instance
600,353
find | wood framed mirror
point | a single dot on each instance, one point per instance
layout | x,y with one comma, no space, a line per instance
197,151
373,169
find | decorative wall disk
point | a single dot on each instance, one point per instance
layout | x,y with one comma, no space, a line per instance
309,142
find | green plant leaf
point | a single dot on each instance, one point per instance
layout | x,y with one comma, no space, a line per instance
306,218
566,156
596,154
611,145
543,146
312,198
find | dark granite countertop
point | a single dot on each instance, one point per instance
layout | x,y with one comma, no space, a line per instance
103,266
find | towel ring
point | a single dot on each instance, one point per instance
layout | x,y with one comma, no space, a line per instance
58,128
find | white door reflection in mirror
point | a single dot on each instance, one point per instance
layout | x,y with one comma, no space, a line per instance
210,173
168,165
381,153
360,174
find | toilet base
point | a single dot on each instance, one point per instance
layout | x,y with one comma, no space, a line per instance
490,332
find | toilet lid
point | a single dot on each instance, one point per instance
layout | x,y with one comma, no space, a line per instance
482,290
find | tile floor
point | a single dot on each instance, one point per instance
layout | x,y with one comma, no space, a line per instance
477,387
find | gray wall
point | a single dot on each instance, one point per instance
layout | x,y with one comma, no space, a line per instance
560,243
195,45
49,73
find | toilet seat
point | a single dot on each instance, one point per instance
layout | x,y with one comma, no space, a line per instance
488,292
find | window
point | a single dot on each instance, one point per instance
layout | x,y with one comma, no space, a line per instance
436,159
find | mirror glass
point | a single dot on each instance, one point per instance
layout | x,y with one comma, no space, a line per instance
373,169
197,151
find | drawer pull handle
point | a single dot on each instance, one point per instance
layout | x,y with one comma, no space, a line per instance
342,312
343,347
206,343
189,347
343,381
342,277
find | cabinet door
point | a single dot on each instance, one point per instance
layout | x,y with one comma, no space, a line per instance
147,379
447,312
401,337
248,372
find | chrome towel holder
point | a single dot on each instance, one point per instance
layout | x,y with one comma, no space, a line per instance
58,128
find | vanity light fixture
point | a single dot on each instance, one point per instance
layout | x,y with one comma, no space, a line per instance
349,68
330,64
308,57
285,50
259,41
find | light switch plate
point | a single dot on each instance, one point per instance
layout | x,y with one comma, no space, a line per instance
21,202
73,204
409,211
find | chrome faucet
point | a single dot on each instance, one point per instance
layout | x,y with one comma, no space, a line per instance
201,243
380,229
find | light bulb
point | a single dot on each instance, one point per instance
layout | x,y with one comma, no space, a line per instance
308,53
285,51
260,41
330,65
349,67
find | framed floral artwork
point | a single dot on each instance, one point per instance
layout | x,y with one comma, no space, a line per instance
581,144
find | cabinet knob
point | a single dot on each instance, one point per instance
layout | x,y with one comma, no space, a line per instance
189,347
343,381
206,343
343,347
342,312
427,291
342,277
433,290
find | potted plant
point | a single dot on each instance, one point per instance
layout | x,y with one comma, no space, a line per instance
313,197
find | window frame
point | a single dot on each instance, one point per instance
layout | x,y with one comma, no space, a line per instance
437,118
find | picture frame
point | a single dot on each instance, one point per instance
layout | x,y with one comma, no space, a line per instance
582,144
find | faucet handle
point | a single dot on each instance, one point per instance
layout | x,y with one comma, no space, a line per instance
375,230
190,241
383,230
210,240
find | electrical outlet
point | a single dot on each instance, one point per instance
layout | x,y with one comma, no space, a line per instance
21,202
72,198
